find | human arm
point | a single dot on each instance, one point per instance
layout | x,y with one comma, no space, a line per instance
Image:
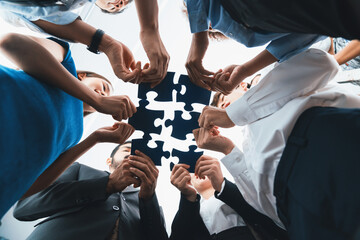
151,218
207,166
226,80
296,77
31,55
67,192
119,55
262,224
150,38
352,50
187,223
118,133
197,73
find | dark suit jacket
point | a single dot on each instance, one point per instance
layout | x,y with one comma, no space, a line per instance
189,225
78,207
340,18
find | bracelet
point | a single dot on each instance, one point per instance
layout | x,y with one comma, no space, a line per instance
95,41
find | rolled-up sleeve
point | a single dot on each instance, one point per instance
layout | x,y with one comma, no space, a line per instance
296,77
287,46
197,14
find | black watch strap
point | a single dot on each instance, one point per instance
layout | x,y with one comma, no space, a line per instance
95,41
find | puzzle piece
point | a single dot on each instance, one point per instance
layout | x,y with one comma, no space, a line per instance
171,143
193,94
182,127
144,120
154,153
164,89
189,157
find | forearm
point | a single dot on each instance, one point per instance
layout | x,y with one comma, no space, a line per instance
260,61
147,11
77,31
60,165
37,61
352,50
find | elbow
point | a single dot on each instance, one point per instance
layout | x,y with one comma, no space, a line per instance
10,41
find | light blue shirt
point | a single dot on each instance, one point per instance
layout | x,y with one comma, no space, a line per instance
282,45
22,16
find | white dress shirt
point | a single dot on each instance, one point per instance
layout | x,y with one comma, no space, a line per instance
218,216
270,111
21,16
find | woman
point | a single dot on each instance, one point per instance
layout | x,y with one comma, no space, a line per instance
41,114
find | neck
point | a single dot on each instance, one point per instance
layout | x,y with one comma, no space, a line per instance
207,193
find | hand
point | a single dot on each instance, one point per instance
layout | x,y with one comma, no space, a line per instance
118,133
181,179
158,57
197,73
210,167
228,79
213,116
122,61
144,168
212,140
120,178
120,107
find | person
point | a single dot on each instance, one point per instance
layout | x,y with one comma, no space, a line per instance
288,168
339,20
223,101
59,21
215,215
281,46
42,111
346,53
88,203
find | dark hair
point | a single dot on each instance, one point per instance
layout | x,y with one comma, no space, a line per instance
114,13
215,100
114,151
92,74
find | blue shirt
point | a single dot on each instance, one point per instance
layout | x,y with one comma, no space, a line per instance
282,45
21,16
38,122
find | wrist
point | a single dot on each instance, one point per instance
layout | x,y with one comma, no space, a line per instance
110,186
190,197
106,43
228,149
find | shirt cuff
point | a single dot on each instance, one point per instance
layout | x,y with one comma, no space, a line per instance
232,161
240,112
217,194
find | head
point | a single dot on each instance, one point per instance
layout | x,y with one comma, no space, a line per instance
223,101
96,83
113,6
120,152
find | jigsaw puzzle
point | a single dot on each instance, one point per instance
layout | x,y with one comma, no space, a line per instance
175,104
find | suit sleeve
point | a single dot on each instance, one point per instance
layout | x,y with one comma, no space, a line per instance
188,223
260,222
152,219
66,192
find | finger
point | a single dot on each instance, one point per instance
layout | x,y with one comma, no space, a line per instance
178,170
147,161
196,134
146,66
203,71
140,174
180,179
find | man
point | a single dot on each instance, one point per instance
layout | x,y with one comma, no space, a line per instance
85,203
291,172
281,46
58,20
221,212
331,18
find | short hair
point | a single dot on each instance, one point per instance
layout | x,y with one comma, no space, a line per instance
114,151
114,13
216,99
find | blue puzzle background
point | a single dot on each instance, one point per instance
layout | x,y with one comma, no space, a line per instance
174,89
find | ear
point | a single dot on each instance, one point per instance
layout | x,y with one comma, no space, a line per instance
243,85
81,76
108,161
